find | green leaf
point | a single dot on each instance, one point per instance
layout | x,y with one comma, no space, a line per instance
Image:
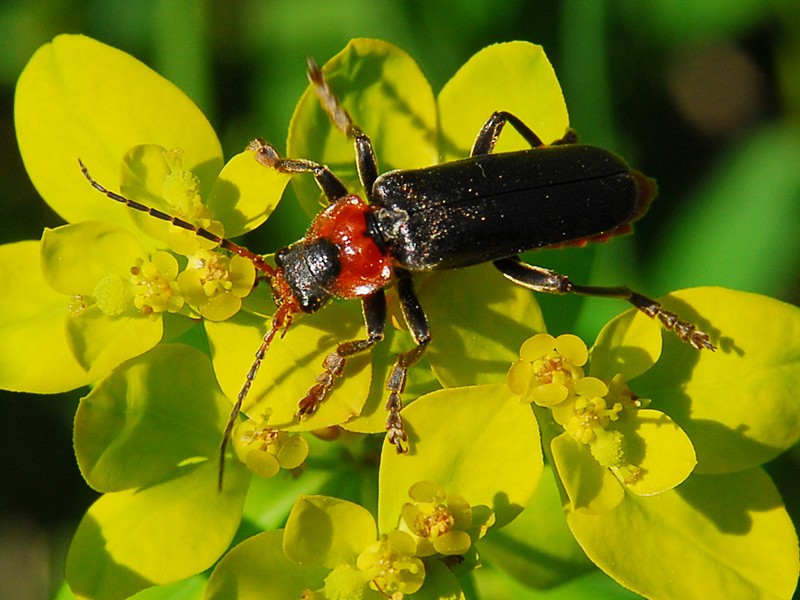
74,259
64,593
655,444
32,327
144,171
478,321
100,342
714,536
131,540
738,404
537,548
327,532
656,455
514,77
192,588
291,366
386,95
440,583
150,416
107,102
257,569
477,442
492,583
242,197
269,501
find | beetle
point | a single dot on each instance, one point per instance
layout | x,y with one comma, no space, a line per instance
487,207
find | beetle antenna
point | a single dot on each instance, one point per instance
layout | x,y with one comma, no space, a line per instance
258,261
280,322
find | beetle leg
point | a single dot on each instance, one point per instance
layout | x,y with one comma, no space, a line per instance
545,280
374,307
366,162
571,137
417,323
331,186
490,133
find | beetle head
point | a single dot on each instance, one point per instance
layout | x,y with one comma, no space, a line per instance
310,268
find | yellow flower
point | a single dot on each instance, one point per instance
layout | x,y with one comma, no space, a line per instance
548,369
607,428
214,284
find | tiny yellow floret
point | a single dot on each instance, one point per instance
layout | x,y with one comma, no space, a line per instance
390,565
154,287
548,369
345,582
112,295
214,284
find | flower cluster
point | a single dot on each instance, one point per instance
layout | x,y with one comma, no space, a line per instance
607,418
391,566
432,527
440,522
210,283
265,450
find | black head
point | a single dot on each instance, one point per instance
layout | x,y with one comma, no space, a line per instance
310,268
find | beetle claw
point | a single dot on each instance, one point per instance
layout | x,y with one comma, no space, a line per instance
686,331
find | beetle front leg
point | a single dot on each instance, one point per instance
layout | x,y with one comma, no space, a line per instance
330,185
545,280
374,307
417,323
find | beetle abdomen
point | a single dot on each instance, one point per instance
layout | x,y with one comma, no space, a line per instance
496,205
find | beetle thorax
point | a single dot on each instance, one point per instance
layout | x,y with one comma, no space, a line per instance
363,267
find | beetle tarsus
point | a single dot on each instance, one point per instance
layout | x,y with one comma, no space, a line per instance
395,385
686,331
334,365
266,154
395,432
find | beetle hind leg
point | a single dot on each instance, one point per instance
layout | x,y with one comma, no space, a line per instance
395,384
490,133
545,280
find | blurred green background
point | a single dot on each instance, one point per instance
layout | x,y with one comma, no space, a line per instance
703,96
